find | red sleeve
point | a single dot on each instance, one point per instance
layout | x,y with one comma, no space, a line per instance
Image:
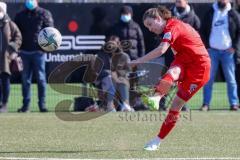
170,34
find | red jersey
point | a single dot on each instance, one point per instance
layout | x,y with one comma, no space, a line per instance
184,40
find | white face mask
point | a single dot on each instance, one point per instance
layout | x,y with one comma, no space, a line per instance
31,4
1,15
126,18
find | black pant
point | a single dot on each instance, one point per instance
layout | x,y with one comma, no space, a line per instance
237,72
4,87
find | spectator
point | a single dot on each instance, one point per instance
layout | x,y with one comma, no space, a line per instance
131,34
104,79
183,11
30,21
128,29
237,50
221,28
112,78
11,40
120,68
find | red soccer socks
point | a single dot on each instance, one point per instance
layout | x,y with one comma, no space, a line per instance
168,123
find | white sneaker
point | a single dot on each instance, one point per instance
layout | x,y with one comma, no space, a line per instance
111,110
153,144
126,108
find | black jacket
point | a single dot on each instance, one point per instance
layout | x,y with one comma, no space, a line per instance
130,31
234,29
190,18
30,23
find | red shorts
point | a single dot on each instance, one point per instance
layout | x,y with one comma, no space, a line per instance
192,77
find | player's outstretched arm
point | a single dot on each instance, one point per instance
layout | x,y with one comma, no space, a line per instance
160,50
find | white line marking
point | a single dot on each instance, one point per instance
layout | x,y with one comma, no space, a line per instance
213,158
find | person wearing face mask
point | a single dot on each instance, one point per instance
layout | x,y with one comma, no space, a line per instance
131,34
190,69
128,30
11,40
30,21
221,33
183,11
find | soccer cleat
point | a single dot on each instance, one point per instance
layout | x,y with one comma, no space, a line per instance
152,102
153,144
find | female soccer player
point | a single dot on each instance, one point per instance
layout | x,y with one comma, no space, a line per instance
190,68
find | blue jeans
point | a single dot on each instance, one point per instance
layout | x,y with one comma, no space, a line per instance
123,91
226,60
33,62
4,87
108,86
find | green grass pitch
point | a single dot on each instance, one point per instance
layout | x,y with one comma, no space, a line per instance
119,135
213,134
219,100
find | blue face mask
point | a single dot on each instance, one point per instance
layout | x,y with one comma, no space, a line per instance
125,18
30,4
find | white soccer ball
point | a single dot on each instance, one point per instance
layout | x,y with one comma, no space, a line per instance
49,39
